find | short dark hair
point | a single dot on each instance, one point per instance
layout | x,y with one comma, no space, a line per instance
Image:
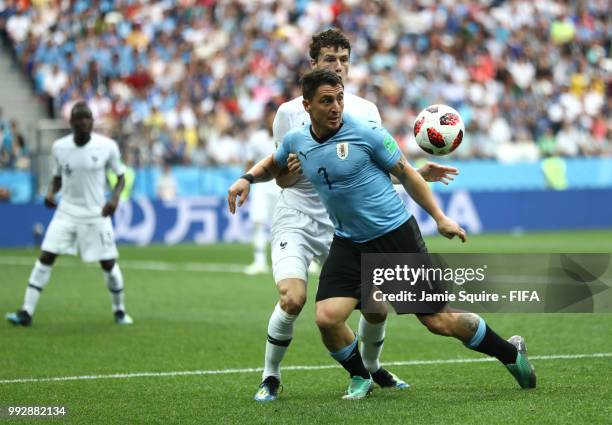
332,37
317,78
80,105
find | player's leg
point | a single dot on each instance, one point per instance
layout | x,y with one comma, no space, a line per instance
290,258
341,341
338,295
97,243
467,327
60,238
114,282
292,297
372,335
472,330
39,277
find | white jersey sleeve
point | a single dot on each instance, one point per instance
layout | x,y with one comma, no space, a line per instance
375,114
281,125
364,109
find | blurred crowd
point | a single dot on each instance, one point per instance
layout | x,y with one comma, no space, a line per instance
13,148
187,81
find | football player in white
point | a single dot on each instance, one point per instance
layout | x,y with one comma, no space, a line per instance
303,232
82,221
263,198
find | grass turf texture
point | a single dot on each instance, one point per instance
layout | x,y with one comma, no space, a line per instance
187,320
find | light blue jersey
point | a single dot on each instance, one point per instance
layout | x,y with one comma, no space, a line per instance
349,170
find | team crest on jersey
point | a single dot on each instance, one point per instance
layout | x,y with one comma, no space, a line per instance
67,169
342,149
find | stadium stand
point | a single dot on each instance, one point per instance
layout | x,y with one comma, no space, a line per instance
182,82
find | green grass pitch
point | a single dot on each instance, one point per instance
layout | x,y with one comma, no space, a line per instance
188,319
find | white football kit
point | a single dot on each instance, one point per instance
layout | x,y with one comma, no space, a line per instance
264,196
301,228
78,225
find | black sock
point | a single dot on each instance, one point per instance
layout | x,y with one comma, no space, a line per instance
495,346
350,359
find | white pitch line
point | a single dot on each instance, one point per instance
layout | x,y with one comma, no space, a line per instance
313,367
136,265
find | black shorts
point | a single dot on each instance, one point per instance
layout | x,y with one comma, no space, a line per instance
341,273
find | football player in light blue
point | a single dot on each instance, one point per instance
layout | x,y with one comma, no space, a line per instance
349,162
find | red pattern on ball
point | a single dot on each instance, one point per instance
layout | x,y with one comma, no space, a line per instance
435,138
449,119
457,140
417,125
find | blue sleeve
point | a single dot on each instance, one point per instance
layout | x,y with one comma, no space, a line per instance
282,153
385,151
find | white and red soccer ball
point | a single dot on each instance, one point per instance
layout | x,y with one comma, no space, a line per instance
439,129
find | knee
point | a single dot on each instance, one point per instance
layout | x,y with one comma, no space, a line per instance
47,258
292,303
437,323
326,319
107,265
375,318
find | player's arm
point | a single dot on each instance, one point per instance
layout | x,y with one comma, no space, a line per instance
286,177
280,127
54,187
434,172
109,208
115,164
265,170
56,181
419,190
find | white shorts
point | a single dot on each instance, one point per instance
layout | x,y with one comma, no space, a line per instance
93,239
297,239
263,199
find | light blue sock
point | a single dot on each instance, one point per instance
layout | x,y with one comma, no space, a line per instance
345,352
478,336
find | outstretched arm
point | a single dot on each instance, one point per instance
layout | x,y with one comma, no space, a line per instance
433,172
265,170
418,189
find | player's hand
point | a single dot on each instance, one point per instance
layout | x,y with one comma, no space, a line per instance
286,179
433,172
449,229
293,164
241,189
50,201
109,208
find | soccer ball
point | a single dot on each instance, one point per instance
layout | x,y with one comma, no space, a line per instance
438,129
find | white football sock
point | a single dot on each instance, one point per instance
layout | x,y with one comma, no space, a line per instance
39,277
114,283
280,332
372,336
